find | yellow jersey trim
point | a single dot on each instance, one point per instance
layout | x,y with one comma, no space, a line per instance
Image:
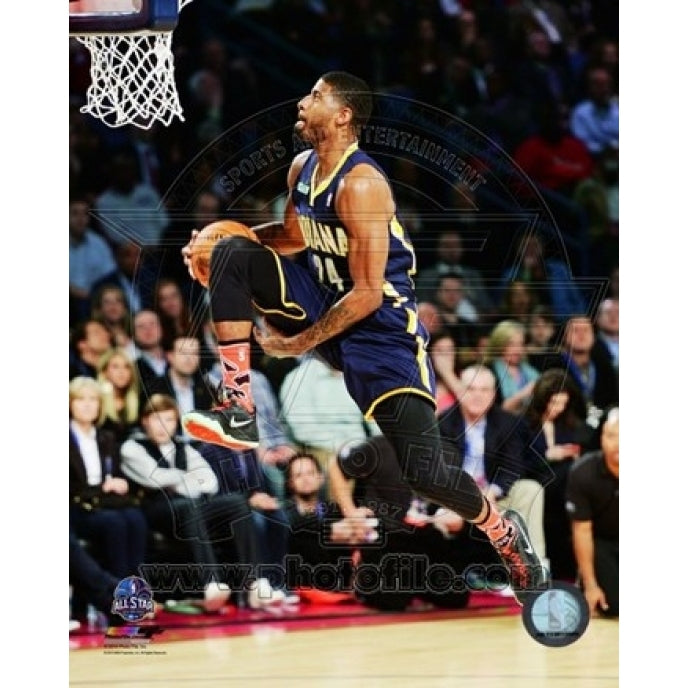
326,182
393,392
283,295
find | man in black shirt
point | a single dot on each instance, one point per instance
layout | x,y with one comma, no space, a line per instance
593,504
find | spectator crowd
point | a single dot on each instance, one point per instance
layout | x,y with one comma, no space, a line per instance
527,359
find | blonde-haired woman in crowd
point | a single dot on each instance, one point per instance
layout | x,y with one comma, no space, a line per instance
506,355
102,510
121,390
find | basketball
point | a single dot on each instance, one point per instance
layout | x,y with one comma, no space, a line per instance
205,242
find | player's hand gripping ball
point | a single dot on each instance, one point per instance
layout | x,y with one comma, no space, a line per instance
202,247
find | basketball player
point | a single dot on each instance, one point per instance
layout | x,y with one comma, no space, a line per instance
353,304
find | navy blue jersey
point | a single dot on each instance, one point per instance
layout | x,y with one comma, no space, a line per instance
385,353
326,237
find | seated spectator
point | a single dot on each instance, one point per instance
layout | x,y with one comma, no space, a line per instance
540,345
598,198
180,495
518,302
488,444
449,259
241,473
151,360
136,273
457,315
542,74
102,509
173,310
119,382
317,533
90,259
590,368
92,584
89,340
508,360
182,379
557,434
548,276
595,120
444,357
607,329
318,411
553,158
109,307
121,204
593,503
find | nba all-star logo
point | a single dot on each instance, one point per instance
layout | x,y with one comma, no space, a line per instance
132,599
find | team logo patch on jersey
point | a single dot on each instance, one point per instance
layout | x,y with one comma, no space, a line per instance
303,188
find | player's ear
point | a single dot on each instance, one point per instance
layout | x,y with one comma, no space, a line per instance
344,116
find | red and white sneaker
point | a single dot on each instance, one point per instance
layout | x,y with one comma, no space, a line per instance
526,573
230,425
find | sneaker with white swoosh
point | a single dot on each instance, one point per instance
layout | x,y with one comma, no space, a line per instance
230,425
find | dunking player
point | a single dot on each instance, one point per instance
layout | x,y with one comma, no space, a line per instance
354,304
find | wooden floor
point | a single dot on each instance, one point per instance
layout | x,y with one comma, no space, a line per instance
493,651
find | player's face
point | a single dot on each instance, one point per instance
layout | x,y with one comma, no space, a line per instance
160,426
317,113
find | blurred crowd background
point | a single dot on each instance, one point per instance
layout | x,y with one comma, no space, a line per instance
538,80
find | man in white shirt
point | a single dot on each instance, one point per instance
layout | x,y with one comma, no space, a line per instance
318,410
180,498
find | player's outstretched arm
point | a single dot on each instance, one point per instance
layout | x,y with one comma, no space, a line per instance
364,203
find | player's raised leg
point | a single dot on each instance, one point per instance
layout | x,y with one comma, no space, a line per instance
244,276
232,423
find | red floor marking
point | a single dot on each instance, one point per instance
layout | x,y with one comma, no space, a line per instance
235,622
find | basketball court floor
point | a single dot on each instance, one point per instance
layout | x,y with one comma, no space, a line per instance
491,650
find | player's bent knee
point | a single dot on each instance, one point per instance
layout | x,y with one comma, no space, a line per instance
235,246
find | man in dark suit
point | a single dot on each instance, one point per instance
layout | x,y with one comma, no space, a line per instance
589,365
182,378
489,443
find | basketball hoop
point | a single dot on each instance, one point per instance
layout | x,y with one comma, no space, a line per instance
132,69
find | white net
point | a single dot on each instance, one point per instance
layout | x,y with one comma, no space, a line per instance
132,78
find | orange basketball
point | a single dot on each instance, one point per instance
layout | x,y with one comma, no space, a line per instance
206,240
